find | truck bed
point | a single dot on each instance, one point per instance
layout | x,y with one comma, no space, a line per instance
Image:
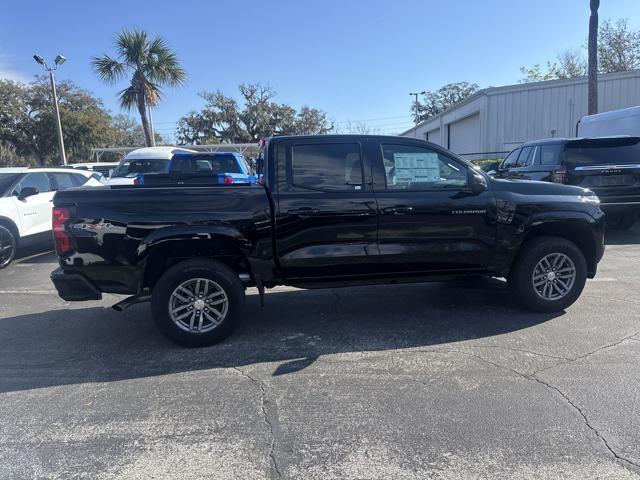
113,227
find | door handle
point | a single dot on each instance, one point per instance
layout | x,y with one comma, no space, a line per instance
398,210
303,211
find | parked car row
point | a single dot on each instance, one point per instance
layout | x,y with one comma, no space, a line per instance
609,166
26,195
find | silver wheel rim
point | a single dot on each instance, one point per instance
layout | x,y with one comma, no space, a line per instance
554,276
7,247
198,305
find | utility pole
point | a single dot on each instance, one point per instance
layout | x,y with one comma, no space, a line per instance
592,68
415,105
59,60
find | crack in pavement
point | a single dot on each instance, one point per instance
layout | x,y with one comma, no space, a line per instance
555,357
270,417
588,424
533,377
567,360
580,357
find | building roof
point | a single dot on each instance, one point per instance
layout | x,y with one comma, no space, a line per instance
520,87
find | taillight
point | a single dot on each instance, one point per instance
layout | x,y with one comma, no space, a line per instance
559,175
228,180
59,217
138,181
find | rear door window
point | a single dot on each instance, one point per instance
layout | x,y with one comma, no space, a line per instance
550,154
65,180
327,166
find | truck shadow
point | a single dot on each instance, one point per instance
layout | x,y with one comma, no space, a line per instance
623,237
293,330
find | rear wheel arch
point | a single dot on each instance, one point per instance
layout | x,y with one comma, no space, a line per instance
164,255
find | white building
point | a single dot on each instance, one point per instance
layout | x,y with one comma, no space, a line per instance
498,119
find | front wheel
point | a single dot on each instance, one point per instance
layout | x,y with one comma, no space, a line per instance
8,246
197,302
549,275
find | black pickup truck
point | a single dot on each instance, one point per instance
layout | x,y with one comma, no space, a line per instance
332,211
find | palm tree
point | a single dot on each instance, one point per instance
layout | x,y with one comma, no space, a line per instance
150,63
592,68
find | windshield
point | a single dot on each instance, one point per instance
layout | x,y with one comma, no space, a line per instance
6,180
603,153
133,168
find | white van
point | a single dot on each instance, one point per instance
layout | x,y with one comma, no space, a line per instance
141,161
625,121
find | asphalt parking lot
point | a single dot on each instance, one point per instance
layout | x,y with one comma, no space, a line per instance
445,381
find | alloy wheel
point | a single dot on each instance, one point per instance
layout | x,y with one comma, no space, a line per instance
198,305
554,276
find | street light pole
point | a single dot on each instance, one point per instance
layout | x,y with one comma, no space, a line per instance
415,105
58,61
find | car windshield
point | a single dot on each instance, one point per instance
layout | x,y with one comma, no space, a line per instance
6,180
133,168
603,153
212,164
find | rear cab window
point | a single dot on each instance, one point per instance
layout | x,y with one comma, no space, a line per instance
133,168
326,166
211,164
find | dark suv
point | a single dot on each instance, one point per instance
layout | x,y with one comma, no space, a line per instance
609,166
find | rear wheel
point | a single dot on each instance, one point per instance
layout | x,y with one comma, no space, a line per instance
549,275
8,246
197,302
621,222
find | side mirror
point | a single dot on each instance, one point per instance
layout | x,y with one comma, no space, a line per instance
28,192
477,182
110,172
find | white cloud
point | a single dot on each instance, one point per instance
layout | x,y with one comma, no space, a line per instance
7,71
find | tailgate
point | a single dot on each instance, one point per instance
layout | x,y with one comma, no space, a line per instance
608,166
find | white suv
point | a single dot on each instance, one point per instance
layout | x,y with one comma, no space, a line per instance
26,196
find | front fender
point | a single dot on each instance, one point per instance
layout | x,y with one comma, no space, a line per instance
580,227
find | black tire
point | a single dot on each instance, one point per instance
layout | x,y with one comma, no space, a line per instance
520,278
182,272
8,246
621,222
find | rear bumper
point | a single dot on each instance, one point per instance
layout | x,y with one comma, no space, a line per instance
74,287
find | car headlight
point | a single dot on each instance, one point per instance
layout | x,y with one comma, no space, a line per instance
592,199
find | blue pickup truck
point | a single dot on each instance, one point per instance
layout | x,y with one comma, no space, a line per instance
214,167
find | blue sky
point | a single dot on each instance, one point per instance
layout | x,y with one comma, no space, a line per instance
357,60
